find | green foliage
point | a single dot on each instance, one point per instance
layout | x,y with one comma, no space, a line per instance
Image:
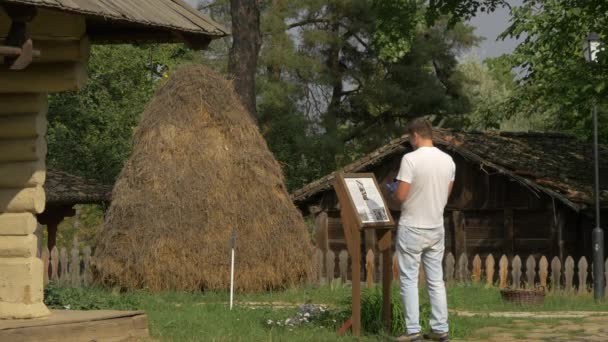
396,25
88,298
90,131
558,81
84,225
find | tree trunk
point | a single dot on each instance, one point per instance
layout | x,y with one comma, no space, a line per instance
330,120
246,41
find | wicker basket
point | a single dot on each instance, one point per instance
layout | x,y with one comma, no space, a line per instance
524,297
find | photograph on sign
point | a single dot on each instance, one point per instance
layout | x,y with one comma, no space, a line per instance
367,200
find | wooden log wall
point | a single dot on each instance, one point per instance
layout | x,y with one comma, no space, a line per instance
64,49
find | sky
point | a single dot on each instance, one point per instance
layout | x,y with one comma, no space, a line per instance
489,26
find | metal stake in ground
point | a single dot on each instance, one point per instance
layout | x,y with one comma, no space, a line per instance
232,247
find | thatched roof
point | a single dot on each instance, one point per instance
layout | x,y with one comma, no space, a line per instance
62,188
199,170
556,164
122,19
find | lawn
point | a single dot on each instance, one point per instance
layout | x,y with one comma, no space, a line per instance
205,316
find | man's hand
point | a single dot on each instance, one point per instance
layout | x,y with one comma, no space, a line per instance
403,189
392,186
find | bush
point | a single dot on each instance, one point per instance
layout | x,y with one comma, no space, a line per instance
371,311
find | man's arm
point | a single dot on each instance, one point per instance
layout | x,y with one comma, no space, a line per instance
403,189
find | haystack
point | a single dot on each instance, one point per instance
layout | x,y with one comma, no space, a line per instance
200,169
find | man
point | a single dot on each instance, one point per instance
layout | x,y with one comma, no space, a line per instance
424,183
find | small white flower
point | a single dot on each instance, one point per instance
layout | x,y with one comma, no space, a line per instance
269,322
307,315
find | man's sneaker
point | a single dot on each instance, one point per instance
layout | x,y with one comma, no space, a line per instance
437,336
416,337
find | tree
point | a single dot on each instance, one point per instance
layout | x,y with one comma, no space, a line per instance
246,41
90,131
558,80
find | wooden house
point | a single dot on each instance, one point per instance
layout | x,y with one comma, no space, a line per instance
63,192
514,193
44,48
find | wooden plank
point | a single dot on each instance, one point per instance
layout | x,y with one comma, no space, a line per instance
369,268
63,265
45,266
54,264
463,268
43,78
582,275
385,242
31,200
17,224
22,150
73,50
509,246
386,282
133,328
22,174
321,232
569,274
343,256
561,224
23,103
330,260
516,272
543,272
530,272
74,267
460,238
476,269
556,273
86,258
319,265
19,126
449,267
503,271
490,264
50,24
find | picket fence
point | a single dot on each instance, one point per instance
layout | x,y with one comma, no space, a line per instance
508,272
73,269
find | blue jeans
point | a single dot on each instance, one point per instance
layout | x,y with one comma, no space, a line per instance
426,245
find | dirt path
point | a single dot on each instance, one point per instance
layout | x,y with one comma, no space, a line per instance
590,328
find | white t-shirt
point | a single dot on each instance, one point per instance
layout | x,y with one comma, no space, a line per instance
429,171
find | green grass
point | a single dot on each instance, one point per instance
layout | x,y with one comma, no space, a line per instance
480,298
179,316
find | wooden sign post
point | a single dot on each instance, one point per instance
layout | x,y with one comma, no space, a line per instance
362,206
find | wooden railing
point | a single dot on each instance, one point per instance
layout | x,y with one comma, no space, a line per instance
554,275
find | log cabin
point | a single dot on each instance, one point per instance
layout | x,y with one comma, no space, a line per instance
514,193
44,48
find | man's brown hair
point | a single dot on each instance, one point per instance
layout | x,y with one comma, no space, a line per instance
421,126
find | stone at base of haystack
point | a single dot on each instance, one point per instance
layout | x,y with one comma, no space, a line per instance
67,326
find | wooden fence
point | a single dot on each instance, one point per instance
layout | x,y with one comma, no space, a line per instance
569,276
73,269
